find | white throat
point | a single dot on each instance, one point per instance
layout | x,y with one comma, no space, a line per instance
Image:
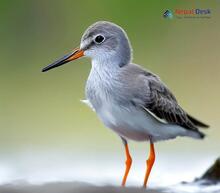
102,63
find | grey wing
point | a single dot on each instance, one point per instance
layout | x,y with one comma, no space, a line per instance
152,95
162,103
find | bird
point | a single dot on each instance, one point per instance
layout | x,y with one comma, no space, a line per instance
130,100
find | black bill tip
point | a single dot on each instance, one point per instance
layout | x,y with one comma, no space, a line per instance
67,58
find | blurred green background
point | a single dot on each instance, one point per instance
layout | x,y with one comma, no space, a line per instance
41,111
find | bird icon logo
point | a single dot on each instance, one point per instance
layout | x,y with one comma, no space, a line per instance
168,14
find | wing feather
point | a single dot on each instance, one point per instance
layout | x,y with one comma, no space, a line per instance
164,105
151,94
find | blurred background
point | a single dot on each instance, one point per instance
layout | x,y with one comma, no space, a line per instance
47,134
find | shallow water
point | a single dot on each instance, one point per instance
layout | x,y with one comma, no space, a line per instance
100,170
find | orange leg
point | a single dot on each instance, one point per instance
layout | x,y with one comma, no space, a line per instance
128,164
150,163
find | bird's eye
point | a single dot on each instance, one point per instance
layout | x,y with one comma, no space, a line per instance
99,39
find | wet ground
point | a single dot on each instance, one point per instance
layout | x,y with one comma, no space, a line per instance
78,187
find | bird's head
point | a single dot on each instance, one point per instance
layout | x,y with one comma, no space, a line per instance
103,41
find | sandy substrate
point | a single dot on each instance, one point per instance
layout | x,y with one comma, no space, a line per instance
70,187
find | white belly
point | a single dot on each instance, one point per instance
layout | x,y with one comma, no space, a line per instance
135,124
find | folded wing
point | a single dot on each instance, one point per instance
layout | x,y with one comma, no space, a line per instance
164,105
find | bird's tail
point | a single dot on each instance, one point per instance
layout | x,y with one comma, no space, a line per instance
197,122
196,134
